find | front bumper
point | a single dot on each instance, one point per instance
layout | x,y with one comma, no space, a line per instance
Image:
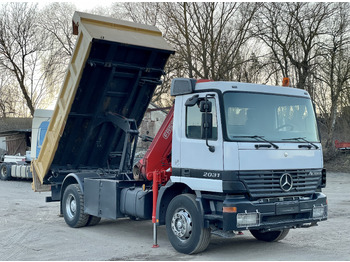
273,214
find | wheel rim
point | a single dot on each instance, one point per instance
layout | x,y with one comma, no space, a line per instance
3,171
181,224
71,206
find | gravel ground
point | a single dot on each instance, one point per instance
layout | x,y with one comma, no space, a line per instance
30,229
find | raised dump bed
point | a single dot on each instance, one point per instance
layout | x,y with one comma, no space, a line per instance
114,70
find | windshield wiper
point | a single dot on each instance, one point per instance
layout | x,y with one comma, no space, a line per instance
302,139
261,139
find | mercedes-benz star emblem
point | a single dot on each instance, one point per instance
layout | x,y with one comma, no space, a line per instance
286,182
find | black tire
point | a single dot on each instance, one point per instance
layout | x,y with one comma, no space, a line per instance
73,207
93,221
183,225
272,236
5,171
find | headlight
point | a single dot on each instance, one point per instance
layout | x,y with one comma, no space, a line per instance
248,219
319,212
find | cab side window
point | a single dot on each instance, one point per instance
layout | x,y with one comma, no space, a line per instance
193,122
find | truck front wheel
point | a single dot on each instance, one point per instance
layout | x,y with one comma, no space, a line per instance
73,207
5,171
271,236
93,221
183,225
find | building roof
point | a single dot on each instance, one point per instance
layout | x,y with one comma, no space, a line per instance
154,107
11,124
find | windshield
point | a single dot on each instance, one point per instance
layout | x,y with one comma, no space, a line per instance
273,117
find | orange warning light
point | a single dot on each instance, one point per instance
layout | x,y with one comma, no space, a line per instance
285,81
229,209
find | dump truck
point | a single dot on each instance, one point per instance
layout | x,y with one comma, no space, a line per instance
18,166
228,157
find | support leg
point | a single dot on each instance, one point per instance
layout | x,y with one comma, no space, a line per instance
156,181
155,244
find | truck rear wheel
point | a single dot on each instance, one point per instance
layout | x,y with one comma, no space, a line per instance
73,207
183,225
271,236
5,171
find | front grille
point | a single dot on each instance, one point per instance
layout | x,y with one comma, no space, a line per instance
267,183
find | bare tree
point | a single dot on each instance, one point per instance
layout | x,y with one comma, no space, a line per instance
11,101
292,32
143,12
208,36
21,43
56,21
334,69
6,103
250,64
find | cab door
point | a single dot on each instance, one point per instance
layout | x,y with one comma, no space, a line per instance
200,167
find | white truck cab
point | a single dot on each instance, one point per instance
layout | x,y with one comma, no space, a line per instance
254,128
257,146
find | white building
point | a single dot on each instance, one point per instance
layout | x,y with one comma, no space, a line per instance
151,122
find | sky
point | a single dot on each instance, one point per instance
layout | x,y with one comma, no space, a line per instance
80,4
87,5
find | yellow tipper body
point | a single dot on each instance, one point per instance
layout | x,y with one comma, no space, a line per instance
98,38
